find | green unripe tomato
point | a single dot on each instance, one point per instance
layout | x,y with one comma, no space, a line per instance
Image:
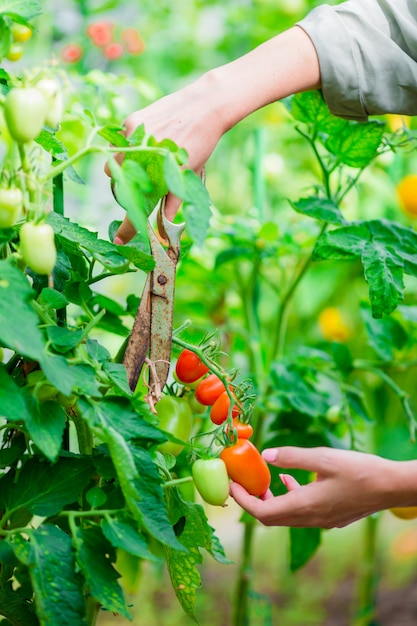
41,387
53,95
25,110
211,480
37,247
176,418
11,202
20,32
196,406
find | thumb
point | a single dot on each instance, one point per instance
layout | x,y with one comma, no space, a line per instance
310,459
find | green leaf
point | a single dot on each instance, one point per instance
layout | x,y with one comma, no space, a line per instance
45,424
43,488
59,372
26,9
194,533
57,587
387,251
113,134
131,182
384,275
13,405
309,107
298,388
63,339
140,483
18,610
235,253
320,208
117,414
53,298
384,335
304,543
95,556
196,207
113,257
18,321
123,534
357,143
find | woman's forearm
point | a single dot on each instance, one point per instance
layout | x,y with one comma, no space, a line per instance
281,66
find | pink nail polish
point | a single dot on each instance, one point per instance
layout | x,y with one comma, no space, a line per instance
117,241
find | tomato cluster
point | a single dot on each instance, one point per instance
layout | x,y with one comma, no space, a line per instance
239,460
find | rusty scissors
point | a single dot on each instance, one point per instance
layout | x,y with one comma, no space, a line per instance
150,340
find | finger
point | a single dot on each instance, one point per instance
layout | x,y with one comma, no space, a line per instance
250,503
310,459
289,481
124,233
172,204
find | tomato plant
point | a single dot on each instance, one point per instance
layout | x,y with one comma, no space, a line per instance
246,466
176,418
37,247
189,368
211,480
209,389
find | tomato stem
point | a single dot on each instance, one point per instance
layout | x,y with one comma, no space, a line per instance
177,481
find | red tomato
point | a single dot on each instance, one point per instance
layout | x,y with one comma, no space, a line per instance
72,52
220,409
244,431
100,33
189,368
246,466
209,390
113,51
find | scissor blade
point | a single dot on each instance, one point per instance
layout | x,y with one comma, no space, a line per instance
138,345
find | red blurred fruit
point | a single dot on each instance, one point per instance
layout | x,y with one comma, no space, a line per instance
71,53
113,51
100,33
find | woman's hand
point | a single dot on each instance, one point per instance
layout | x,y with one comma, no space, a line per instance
349,485
196,117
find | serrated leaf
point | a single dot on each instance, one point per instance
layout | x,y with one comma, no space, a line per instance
357,143
123,534
95,556
57,587
387,251
304,543
18,321
43,488
309,107
320,208
114,257
384,275
117,413
140,483
194,533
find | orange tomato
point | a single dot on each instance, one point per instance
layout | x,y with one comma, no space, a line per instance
246,466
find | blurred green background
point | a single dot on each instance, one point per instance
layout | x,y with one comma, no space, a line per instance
257,167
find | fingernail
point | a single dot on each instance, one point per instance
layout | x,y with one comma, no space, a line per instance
284,481
270,455
118,242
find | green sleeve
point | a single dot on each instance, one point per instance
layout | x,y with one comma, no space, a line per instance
367,51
